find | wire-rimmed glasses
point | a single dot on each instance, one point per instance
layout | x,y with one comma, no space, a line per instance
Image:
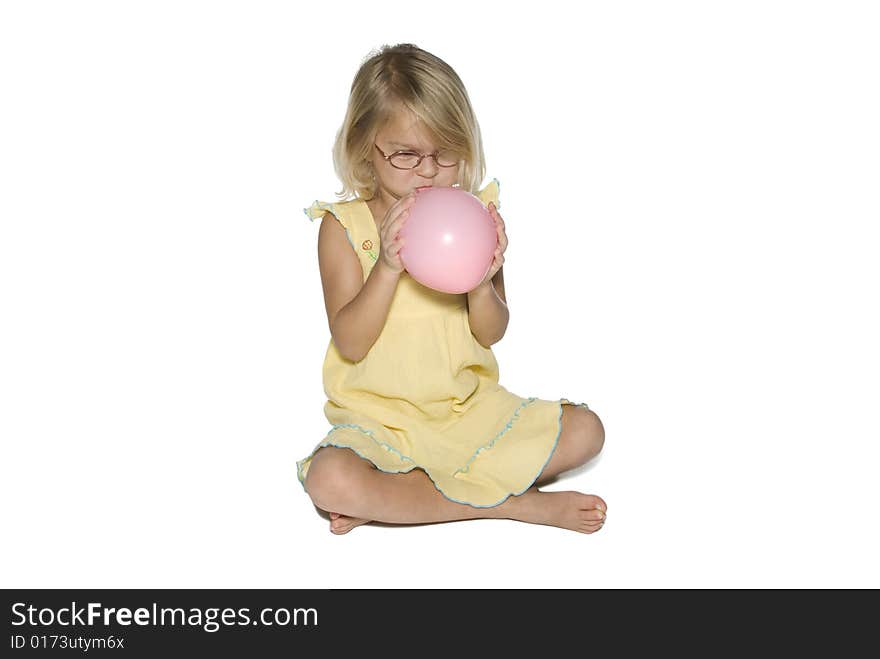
412,159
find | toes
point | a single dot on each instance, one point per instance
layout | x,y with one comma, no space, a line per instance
339,528
592,502
343,524
592,515
591,527
592,519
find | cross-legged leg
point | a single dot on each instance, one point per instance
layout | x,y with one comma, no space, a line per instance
355,491
580,440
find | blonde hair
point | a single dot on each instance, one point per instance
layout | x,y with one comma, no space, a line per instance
406,76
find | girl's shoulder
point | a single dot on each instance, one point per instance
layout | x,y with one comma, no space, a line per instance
341,210
349,215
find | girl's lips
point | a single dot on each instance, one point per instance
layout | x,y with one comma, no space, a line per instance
424,187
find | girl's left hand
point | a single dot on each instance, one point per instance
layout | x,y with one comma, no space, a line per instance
498,261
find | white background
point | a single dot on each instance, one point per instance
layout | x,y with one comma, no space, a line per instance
691,196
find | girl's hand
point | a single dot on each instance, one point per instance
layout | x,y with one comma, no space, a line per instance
498,261
390,242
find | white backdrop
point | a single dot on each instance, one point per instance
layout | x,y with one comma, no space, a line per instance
691,196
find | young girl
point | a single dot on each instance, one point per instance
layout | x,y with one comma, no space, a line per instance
421,429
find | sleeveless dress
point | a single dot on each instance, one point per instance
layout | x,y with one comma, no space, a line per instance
427,395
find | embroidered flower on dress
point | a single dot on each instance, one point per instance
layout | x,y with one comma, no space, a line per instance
367,246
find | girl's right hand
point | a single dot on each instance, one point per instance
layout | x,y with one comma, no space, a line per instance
389,239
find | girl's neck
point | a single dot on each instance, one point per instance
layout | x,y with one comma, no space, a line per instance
378,211
380,204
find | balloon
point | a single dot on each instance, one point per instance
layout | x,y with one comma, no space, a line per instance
449,240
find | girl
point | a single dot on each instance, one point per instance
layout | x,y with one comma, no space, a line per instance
421,429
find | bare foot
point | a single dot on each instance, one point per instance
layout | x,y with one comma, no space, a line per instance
584,513
340,524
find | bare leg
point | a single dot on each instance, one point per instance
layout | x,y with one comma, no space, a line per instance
340,481
581,440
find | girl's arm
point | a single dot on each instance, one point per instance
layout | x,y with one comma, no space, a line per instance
488,314
356,309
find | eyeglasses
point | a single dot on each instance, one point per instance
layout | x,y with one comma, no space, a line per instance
411,159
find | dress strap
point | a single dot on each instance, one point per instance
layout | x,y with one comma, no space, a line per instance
490,193
341,211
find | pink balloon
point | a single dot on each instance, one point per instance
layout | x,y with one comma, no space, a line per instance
449,240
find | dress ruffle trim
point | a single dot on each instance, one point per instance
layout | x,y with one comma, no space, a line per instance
405,458
318,209
491,192
467,465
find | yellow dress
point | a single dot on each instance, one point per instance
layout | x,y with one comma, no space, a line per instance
427,394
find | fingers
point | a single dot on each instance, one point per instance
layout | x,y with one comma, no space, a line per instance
396,224
399,206
390,236
499,226
499,221
391,233
395,218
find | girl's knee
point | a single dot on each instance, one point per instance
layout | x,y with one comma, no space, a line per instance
331,477
589,433
595,432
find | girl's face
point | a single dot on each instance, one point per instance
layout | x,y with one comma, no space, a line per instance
403,133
